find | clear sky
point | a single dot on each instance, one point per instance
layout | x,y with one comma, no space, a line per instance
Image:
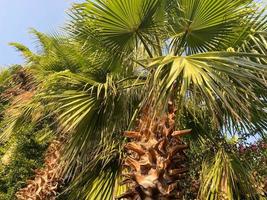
18,16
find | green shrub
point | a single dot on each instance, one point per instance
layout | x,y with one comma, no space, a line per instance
20,156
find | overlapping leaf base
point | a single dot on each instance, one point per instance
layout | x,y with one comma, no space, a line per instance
45,183
156,160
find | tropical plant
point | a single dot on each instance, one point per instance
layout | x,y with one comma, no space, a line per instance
155,70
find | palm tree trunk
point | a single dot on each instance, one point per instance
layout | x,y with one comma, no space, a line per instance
46,181
156,161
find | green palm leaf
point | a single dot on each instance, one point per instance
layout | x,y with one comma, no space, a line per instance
118,23
206,25
91,111
225,177
219,79
101,177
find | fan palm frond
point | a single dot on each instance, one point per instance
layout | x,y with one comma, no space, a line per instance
25,51
225,177
120,24
206,25
102,176
91,111
217,79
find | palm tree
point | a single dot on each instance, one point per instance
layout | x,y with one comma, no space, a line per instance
155,70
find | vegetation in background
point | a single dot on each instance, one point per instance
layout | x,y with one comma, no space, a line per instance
23,152
19,158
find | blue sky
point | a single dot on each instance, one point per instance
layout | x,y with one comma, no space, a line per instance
17,16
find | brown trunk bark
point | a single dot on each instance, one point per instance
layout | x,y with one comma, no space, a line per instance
156,160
